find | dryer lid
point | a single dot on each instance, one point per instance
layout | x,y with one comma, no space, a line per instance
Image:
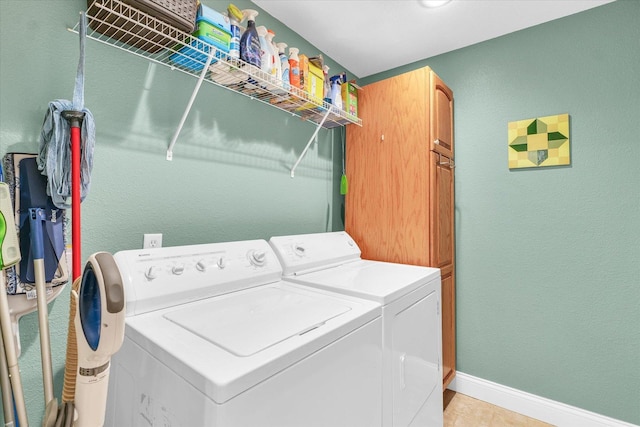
253,322
378,281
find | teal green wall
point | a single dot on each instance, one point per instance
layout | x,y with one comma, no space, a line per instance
548,260
229,179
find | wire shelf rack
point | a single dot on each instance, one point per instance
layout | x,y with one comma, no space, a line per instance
119,25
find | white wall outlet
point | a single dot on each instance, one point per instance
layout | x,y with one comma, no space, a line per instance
152,241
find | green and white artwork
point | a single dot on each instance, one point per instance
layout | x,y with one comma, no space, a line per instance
538,142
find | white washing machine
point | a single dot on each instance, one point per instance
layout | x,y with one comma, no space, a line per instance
215,338
412,332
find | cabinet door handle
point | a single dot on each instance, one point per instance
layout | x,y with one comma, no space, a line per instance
449,161
437,142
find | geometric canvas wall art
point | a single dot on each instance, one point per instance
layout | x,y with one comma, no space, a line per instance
539,142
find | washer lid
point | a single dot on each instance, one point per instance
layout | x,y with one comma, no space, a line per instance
227,344
379,281
251,323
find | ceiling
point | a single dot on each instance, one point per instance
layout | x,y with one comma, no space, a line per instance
371,36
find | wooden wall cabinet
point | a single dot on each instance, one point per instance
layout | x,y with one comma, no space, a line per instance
399,164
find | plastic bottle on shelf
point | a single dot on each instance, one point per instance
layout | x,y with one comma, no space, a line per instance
276,69
336,91
266,56
284,64
326,89
235,19
294,67
250,42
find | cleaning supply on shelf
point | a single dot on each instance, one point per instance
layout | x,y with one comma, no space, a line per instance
213,28
314,80
350,98
336,91
276,68
303,64
326,89
294,67
250,41
266,55
284,64
235,19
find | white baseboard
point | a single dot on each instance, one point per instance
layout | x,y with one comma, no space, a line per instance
528,404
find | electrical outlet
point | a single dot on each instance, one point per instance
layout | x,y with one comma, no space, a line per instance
152,241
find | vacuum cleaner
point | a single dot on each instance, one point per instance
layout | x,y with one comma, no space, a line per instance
99,324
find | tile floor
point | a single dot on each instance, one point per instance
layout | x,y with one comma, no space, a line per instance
465,411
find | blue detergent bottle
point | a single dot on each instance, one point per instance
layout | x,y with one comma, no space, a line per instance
250,42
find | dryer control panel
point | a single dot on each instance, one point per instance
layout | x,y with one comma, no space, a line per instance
157,278
303,253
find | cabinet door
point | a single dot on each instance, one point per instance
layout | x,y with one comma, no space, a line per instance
387,207
443,253
441,117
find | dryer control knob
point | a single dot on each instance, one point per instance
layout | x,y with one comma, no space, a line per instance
222,263
258,258
151,272
299,250
201,265
178,269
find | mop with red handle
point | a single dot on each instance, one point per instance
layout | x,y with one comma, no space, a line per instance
69,133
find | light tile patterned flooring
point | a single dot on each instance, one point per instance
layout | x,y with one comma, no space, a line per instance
465,411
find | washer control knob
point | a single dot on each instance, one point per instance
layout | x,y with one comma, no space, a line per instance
258,258
201,265
178,269
151,272
222,263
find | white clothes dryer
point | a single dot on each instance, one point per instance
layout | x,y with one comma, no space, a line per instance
214,338
412,332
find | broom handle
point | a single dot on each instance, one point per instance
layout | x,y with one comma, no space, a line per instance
75,200
36,216
75,120
43,322
12,358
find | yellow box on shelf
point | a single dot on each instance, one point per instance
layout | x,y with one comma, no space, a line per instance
313,87
350,98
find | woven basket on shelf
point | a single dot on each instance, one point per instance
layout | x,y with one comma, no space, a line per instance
150,25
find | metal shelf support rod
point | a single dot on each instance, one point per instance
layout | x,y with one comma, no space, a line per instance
189,105
315,133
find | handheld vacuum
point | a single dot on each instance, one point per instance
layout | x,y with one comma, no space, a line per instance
99,325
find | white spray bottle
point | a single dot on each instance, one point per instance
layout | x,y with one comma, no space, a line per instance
284,65
326,89
266,56
276,68
336,91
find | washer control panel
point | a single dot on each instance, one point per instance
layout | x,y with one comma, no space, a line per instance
162,277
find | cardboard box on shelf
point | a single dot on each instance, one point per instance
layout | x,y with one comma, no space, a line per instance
350,98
